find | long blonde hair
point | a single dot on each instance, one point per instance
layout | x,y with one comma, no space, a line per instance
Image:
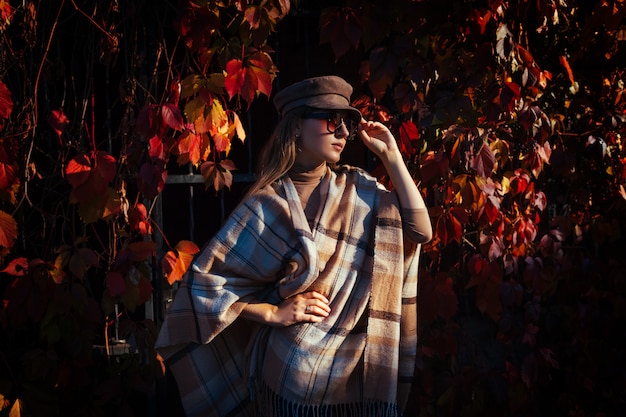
279,153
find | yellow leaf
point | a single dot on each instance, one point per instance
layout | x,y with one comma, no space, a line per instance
16,410
191,85
241,133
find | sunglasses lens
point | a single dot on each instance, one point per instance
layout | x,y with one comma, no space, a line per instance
334,121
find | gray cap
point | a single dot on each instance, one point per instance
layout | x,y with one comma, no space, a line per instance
327,93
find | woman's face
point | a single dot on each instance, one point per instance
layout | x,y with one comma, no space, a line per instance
317,143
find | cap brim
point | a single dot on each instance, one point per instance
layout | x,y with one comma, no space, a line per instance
325,102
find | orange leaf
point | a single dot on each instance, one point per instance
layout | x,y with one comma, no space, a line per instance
187,247
217,175
570,74
175,263
189,148
16,410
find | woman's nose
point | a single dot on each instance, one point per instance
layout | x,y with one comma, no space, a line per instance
342,130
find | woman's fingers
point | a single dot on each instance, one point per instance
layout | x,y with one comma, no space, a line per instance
315,302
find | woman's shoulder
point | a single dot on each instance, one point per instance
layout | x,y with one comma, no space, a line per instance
351,170
358,175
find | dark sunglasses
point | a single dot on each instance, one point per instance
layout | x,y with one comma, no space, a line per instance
334,121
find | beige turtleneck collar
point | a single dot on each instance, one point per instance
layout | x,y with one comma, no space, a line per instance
307,181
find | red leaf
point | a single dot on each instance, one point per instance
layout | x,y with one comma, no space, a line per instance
106,166
172,116
434,165
115,284
235,77
487,278
438,299
262,67
137,216
78,170
6,102
145,290
7,177
150,122
490,211
140,251
175,89
449,228
341,28
151,179
519,182
17,267
8,230
480,19
529,370
383,68
409,138
157,148
58,120
460,214
196,26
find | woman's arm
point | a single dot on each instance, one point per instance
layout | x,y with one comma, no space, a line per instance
306,307
381,141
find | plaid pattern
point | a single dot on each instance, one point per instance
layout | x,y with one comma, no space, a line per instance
359,360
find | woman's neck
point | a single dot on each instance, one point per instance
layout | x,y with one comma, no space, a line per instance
303,173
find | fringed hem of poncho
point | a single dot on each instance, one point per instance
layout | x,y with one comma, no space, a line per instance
270,404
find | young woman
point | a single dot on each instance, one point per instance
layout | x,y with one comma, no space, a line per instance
305,302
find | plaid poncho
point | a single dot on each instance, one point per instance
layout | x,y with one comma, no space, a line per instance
358,361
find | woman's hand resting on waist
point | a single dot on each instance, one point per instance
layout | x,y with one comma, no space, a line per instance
311,307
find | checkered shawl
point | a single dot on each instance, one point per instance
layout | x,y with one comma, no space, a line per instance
358,361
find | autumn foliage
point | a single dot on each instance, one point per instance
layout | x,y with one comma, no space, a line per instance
510,115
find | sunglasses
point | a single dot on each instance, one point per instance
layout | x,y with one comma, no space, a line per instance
334,121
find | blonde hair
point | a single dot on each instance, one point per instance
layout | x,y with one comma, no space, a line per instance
279,153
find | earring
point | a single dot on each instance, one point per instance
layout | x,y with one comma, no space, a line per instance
297,136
